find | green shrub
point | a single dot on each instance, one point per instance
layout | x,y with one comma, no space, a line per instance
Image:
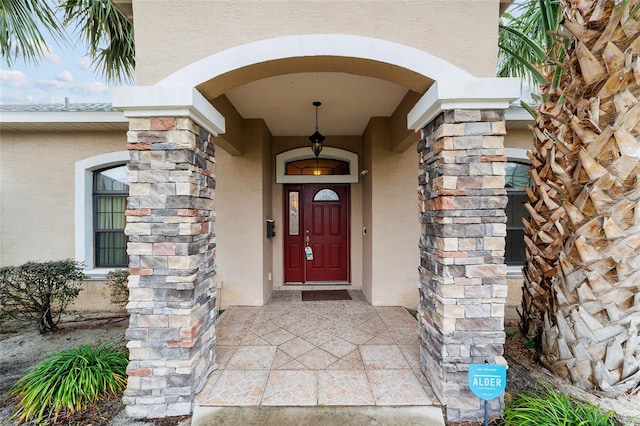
530,344
117,281
549,408
39,291
70,380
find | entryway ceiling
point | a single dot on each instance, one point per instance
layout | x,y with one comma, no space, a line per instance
284,102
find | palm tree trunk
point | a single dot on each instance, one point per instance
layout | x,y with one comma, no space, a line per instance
581,297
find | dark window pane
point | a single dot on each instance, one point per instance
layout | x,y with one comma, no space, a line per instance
514,250
111,249
515,209
516,180
110,212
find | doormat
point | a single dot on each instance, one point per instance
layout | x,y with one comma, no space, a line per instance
318,295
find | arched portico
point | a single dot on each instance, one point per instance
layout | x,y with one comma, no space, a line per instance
384,58
171,213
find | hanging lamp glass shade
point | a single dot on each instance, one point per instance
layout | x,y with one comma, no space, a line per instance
316,138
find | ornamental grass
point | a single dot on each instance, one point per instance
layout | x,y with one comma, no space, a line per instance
69,381
549,408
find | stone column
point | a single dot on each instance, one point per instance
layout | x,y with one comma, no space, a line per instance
170,218
462,272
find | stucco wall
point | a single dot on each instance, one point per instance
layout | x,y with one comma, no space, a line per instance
172,34
367,188
519,138
37,186
37,178
514,297
95,297
267,211
394,221
240,220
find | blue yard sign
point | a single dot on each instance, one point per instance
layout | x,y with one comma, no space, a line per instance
487,381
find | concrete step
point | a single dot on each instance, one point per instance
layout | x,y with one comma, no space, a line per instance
313,416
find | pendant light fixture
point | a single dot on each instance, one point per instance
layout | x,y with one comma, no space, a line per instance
316,138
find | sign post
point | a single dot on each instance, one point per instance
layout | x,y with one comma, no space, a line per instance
487,381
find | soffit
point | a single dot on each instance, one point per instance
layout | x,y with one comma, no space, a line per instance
125,7
57,121
518,118
352,90
63,127
355,66
284,102
504,5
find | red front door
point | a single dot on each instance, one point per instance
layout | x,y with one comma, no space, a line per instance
316,220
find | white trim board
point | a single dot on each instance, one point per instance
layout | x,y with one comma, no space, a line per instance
470,93
83,211
176,101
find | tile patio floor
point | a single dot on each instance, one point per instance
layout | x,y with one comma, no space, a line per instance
294,353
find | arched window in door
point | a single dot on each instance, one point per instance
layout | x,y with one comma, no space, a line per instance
326,195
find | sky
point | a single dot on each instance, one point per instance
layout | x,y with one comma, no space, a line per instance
65,71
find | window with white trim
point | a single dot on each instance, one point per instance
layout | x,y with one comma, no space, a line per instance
110,191
100,200
516,180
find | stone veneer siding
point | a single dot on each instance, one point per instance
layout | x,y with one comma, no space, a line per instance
463,285
170,225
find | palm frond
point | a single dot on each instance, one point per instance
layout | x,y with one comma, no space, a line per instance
20,29
525,40
519,56
108,33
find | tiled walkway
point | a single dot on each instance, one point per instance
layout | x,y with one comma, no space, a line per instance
294,353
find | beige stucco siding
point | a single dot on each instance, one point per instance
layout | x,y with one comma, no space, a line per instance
240,216
367,190
393,225
171,34
267,210
37,199
519,138
37,174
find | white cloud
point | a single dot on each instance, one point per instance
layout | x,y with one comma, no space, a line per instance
52,57
84,63
14,79
15,98
65,76
52,84
49,55
74,87
95,87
